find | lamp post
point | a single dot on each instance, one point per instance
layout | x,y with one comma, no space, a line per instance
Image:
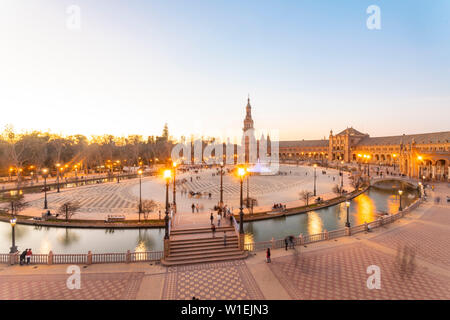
347,204
315,167
221,185
400,192
44,173
174,188
140,193
13,235
342,176
241,174
248,191
57,176
420,189
167,174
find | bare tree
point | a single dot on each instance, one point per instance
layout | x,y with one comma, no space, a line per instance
305,195
16,203
68,209
337,190
148,206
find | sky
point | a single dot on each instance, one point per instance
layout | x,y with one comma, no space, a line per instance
128,67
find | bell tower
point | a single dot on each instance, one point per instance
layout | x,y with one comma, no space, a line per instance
248,135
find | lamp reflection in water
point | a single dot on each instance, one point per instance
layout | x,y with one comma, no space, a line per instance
365,209
315,223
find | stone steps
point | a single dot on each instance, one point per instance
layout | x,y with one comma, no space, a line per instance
239,255
201,249
199,230
201,240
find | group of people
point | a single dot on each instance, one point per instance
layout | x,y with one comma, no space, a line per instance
196,207
25,256
279,206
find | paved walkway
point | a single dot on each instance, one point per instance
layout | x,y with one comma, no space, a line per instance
97,201
412,254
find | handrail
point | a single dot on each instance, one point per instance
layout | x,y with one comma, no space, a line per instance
309,238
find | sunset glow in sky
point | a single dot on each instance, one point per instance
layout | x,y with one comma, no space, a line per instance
309,66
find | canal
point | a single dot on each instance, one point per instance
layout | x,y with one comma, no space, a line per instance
364,208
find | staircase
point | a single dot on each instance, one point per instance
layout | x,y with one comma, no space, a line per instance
196,245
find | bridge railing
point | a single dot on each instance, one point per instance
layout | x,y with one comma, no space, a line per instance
326,235
81,258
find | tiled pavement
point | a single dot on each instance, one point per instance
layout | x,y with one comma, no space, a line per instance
341,273
412,254
429,242
94,286
213,281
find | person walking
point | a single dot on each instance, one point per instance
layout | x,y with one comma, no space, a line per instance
224,238
268,255
286,243
219,217
28,255
211,217
193,208
196,207
213,229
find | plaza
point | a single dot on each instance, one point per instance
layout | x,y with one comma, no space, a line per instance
412,254
97,201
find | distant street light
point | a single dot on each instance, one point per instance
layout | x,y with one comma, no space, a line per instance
13,235
347,204
174,187
315,176
400,192
241,174
167,176
57,176
44,173
140,193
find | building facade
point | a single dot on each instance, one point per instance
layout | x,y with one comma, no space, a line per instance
424,156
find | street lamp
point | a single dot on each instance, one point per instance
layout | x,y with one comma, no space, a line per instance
174,187
315,167
400,192
342,176
13,235
140,193
241,174
347,204
44,173
221,185
420,189
167,175
57,176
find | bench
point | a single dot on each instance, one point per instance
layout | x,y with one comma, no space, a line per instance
114,218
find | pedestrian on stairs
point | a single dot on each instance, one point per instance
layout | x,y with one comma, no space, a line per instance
268,255
211,218
193,208
219,217
213,229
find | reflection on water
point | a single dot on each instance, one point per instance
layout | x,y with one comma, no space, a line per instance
365,208
72,240
315,224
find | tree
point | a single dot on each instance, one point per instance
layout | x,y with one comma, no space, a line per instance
68,209
148,206
337,190
17,203
305,195
356,181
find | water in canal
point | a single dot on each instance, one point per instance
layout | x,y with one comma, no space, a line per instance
363,208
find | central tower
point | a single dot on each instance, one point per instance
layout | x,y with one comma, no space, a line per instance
248,121
248,138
